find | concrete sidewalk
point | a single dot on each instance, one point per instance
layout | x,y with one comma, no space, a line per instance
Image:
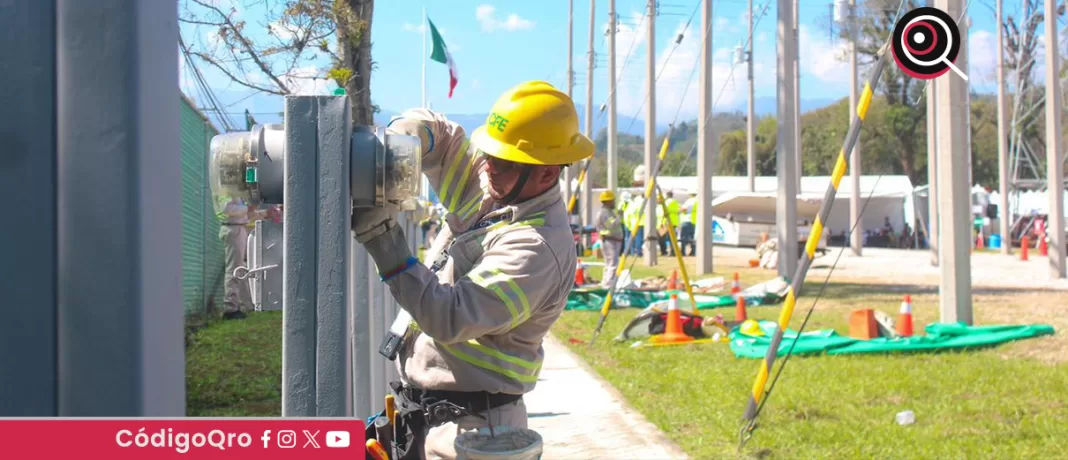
580,416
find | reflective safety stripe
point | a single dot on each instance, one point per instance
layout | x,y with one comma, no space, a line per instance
492,279
470,207
478,355
446,193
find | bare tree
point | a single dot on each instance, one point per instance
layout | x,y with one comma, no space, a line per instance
280,48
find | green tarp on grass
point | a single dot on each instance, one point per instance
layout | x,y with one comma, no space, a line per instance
940,336
593,299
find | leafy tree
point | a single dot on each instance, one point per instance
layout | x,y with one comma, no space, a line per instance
270,54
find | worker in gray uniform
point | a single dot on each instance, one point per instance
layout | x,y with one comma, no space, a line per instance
499,271
234,216
610,232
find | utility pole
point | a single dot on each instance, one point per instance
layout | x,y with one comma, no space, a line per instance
797,91
650,136
955,284
786,212
750,123
856,237
933,222
1003,152
586,199
1054,155
706,148
569,174
932,170
612,147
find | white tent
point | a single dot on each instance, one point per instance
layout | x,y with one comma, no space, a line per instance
890,196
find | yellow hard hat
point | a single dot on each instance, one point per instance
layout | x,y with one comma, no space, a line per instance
608,195
533,123
752,328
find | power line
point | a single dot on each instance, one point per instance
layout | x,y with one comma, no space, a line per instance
678,41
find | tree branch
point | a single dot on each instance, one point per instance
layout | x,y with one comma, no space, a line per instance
248,48
235,78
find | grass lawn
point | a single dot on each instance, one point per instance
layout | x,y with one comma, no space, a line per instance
1005,402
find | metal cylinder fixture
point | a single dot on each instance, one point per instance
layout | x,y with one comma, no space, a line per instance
250,165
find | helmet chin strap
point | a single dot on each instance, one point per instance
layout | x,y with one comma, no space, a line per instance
524,176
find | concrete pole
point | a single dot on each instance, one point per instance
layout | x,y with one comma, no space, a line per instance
612,147
91,268
786,213
1004,215
316,368
750,122
797,91
651,144
586,198
955,290
1054,144
856,238
569,174
706,148
933,221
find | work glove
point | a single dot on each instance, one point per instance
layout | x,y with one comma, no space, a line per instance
390,252
368,223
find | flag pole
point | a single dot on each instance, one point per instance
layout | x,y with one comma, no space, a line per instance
425,183
423,59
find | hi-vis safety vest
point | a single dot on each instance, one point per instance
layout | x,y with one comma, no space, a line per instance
498,277
609,223
673,211
693,210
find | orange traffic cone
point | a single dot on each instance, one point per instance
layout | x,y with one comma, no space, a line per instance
736,286
580,275
673,331
979,241
739,309
1043,248
904,319
673,280
1024,243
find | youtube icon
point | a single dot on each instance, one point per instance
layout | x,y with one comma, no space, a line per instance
337,439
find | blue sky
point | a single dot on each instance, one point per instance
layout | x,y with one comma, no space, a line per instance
497,43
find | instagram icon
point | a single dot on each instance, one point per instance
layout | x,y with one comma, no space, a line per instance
287,439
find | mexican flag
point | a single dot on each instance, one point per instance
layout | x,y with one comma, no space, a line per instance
441,54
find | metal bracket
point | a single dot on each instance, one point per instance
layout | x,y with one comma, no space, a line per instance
245,272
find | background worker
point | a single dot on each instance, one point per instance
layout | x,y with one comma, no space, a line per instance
621,208
673,217
631,219
235,217
483,307
687,226
610,232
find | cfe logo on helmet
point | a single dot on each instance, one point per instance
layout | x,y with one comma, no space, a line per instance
496,121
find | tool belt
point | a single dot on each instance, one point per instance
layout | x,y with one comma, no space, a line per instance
420,410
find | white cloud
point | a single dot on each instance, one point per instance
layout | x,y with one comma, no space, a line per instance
475,84
486,16
306,81
283,31
982,65
729,89
822,58
409,27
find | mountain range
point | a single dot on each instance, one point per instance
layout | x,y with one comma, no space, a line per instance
762,106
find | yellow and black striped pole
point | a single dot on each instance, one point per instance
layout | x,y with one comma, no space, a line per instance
840,166
650,183
578,187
